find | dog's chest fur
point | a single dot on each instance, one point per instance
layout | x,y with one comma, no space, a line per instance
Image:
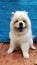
20,38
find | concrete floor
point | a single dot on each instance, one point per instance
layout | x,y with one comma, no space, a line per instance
16,58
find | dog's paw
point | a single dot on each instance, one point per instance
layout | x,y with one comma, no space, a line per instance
10,51
26,55
32,47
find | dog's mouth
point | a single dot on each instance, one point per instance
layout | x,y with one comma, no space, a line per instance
20,29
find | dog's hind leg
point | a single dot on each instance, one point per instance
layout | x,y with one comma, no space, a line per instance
31,45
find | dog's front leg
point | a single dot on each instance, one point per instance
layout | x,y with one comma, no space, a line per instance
25,49
12,46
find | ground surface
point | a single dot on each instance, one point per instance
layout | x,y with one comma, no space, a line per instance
16,58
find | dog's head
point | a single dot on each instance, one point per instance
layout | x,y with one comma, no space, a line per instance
20,21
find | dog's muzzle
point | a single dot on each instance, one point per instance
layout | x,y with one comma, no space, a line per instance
20,27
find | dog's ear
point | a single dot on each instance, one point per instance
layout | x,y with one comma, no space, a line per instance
27,12
13,13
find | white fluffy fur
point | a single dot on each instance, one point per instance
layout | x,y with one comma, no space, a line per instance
24,39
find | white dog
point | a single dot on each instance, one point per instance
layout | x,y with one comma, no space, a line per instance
20,33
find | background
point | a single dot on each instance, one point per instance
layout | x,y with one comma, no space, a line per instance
7,6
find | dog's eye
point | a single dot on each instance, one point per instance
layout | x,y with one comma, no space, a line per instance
16,20
23,20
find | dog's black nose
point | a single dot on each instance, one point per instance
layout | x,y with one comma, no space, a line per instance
21,24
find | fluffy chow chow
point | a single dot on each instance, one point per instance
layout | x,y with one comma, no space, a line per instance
20,33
